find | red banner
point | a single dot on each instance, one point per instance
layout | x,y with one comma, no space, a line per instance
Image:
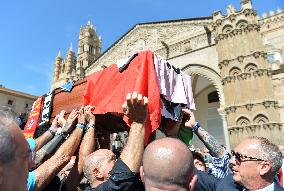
32,122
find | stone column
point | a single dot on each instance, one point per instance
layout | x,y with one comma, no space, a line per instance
225,128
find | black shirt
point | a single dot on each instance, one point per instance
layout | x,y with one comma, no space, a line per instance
121,178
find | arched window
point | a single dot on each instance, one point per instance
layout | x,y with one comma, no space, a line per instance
241,24
235,71
213,97
260,119
250,67
243,121
227,29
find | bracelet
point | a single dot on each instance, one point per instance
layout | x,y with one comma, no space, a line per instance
196,127
81,125
51,132
62,133
91,126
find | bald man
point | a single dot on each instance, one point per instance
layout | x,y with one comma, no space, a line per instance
100,167
167,165
14,155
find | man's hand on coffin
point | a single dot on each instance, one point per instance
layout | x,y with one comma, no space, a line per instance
61,120
69,125
90,117
82,116
136,107
188,119
54,124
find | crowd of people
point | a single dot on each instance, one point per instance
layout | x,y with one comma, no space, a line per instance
66,157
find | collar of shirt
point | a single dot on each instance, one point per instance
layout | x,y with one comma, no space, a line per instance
268,188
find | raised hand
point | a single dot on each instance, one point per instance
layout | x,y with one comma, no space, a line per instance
61,120
54,124
81,116
68,126
136,107
90,117
188,118
72,116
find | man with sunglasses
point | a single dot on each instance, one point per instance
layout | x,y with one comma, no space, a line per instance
254,163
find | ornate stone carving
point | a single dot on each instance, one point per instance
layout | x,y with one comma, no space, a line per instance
249,106
211,76
166,38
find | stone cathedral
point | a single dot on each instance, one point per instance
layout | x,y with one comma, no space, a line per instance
235,61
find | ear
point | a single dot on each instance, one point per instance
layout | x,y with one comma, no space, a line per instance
264,168
97,173
142,173
192,182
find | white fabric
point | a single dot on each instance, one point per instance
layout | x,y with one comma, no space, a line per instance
173,83
268,188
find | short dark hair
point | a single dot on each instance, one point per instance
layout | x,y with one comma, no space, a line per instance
197,155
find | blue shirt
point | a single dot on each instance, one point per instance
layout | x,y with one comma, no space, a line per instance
219,167
31,181
32,143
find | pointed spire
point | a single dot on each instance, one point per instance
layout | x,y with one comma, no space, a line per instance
59,54
90,24
71,47
231,9
246,4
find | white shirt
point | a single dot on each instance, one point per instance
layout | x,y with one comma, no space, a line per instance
268,188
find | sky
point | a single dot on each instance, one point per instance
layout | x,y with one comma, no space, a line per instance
33,31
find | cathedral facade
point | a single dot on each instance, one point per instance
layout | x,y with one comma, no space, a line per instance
235,62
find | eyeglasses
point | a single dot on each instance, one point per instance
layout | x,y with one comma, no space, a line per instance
243,158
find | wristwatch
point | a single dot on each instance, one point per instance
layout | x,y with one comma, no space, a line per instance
195,127
90,126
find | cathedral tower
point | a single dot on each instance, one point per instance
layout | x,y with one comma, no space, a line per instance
57,69
70,63
249,99
89,48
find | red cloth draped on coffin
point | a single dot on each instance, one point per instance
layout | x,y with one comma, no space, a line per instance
107,89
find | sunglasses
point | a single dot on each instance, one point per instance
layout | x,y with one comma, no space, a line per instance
243,158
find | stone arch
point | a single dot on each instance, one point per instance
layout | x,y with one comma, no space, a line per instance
209,74
260,119
243,121
234,71
250,67
241,24
227,28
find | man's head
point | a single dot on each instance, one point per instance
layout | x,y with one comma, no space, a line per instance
171,127
14,155
199,162
255,162
167,164
98,165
